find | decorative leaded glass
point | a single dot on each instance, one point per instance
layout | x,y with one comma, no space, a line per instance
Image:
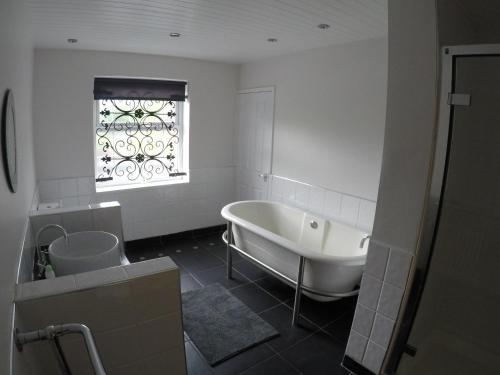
137,141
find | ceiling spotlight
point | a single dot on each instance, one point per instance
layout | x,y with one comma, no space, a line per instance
72,40
272,40
323,26
175,35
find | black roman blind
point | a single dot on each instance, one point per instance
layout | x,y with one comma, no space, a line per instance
139,89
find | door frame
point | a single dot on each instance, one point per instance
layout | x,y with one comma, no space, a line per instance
432,208
272,90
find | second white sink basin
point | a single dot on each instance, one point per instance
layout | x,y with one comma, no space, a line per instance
84,251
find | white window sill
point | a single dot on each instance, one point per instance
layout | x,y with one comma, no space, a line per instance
104,189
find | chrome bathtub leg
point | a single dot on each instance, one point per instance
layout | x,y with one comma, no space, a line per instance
298,292
229,255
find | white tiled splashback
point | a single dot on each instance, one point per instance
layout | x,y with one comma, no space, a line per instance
154,211
382,288
356,211
134,312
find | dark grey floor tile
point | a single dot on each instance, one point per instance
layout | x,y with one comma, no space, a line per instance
323,313
197,260
340,328
277,288
221,252
145,249
189,283
196,364
184,255
146,244
141,255
218,275
254,297
243,361
280,317
317,355
171,246
209,231
210,240
272,366
249,270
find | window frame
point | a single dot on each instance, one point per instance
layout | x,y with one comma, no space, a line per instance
183,154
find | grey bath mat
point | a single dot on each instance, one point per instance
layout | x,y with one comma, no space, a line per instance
220,325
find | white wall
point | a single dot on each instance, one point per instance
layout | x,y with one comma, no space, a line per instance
329,114
64,116
408,149
64,122
16,65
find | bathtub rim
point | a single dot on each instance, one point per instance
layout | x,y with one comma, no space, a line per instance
292,246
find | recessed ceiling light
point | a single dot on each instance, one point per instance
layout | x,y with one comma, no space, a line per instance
272,40
323,26
72,40
175,35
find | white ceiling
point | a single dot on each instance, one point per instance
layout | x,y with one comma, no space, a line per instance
222,30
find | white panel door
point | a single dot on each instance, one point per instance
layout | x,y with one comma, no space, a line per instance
254,142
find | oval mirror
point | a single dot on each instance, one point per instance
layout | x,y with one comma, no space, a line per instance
9,140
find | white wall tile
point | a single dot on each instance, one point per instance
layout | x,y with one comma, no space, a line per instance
96,278
356,346
132,319
85,185
170,362
370,291
376,260
382,330
47,287
198,176
349,209
73,346
128,369
119,345
332,204
398,268
68,187
302,193
366,214
171,193
49,190
84,200
374,356
150,266
69,202
363,320
390,300
317,200
289,190
278,186
77,221
160,334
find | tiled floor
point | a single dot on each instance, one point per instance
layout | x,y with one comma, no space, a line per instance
316,347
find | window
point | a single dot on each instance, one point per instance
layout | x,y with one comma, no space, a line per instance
140,133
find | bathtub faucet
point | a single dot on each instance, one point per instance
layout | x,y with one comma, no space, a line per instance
362,243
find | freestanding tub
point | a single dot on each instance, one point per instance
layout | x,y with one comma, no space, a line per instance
278,237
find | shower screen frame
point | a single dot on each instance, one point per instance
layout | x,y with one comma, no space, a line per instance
432,208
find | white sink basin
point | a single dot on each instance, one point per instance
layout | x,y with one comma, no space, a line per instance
84,251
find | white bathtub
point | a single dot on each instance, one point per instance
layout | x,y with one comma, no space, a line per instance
277,235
